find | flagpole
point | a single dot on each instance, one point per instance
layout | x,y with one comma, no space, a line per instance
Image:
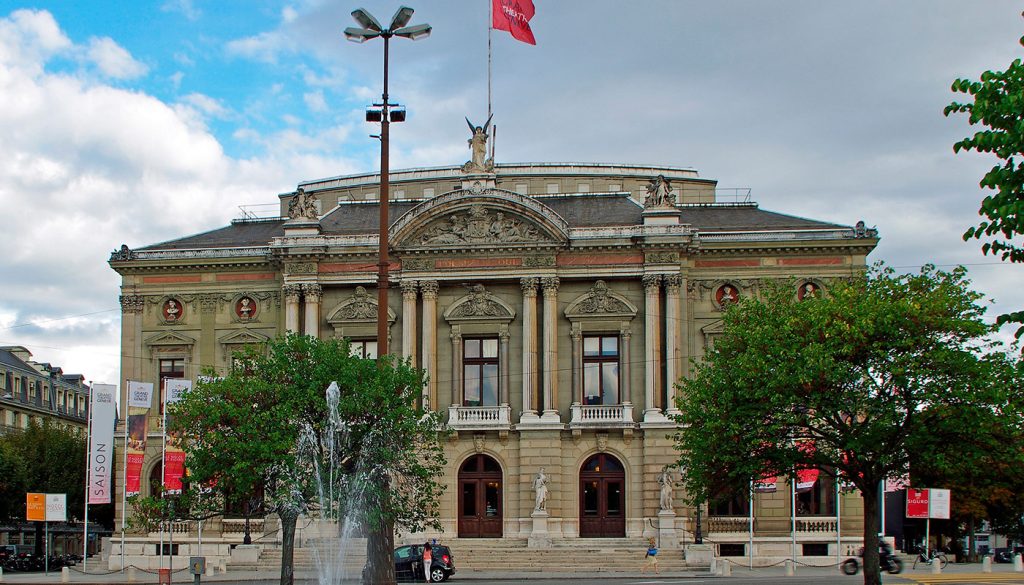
163,465
750,506
792,509
839,522
490,29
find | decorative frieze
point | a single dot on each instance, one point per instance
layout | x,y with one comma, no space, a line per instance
132,304
539,262
293,268
417,264
479,226
661,258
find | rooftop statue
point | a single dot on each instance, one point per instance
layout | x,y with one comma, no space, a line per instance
478,145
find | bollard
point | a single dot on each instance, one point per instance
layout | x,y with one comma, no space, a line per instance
790,568
1,574
986,564
210,569
936,567
713,567
726,569
1018,565
131,574
65,575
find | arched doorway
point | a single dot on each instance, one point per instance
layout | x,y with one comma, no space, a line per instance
480,510
602,498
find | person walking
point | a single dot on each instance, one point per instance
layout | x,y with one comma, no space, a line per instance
428,559
651,558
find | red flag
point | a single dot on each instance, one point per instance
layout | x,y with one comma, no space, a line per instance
514,16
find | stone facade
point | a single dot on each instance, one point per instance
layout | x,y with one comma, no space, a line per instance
552,306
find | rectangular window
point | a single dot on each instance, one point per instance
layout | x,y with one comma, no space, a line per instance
363,348
820,499
428,192
480,372
552,188
583,188
523,188
738,505
601,370
170,369
614,187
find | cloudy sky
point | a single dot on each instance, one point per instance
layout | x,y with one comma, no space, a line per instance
135,122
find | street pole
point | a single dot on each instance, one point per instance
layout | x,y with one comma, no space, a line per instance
383,262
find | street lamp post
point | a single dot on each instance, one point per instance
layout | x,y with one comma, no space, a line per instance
368,29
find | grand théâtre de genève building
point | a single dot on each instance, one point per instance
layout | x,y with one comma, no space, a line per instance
552,307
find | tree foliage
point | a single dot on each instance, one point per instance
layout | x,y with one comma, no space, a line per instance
998,103
878,369
267,424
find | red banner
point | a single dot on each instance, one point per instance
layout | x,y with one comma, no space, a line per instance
174,453
767,483
917,503
514,16
136,451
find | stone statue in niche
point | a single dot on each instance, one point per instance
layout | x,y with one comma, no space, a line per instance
809,290
540,490
726,294
245,308
667,481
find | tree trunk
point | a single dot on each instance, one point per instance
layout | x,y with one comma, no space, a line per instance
972,555
872,570
380,560
288,519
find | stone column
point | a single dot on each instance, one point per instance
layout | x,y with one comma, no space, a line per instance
529,287
312,293
550,380
409,320
456,337
131,332
652,346
503,357
576,333
291,307
429,288
672,340
684,326
625,369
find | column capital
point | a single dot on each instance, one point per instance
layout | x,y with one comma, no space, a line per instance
429,288
312,291
292,291
409,288
550,285
529,286
625,334
651,281
673,282
132,303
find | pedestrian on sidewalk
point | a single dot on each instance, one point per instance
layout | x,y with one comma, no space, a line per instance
651,558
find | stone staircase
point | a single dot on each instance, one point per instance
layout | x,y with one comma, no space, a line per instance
578,555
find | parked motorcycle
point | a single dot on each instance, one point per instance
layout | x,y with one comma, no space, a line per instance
888,561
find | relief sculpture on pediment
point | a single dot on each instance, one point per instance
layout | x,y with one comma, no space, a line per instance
479,226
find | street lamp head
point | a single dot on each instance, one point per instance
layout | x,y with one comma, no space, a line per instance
360,35
401,18
415,32
366,20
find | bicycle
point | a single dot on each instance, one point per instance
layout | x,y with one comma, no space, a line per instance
930,557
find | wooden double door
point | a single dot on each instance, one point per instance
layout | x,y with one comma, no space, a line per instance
602,498
480,498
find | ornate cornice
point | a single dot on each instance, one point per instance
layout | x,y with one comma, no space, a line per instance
131,304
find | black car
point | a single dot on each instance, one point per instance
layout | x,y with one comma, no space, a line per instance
409,563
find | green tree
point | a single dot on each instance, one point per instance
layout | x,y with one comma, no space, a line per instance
243,431
866,372
12,482
998,103
48,458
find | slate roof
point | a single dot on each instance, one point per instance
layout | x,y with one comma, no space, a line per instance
595,210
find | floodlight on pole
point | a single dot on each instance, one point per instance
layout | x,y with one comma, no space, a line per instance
371,29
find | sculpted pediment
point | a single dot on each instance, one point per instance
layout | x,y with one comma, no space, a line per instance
599,301
479,305
169,338
243,337
359,308
461,219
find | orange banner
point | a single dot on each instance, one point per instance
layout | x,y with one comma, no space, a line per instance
35,507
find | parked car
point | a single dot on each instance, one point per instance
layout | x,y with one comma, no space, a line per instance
409,563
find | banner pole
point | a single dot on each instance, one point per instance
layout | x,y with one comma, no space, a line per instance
88,478
490,30
124,476
839,522
792,510
750,506
46,547
163,460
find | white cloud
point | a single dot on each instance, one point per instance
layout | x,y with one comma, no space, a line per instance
185,7
289,14
176,78
113,60
94,166
315,101
265,47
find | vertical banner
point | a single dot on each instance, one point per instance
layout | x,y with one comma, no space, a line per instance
140,396
101,442
56,507
35,507
917,503
174,452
